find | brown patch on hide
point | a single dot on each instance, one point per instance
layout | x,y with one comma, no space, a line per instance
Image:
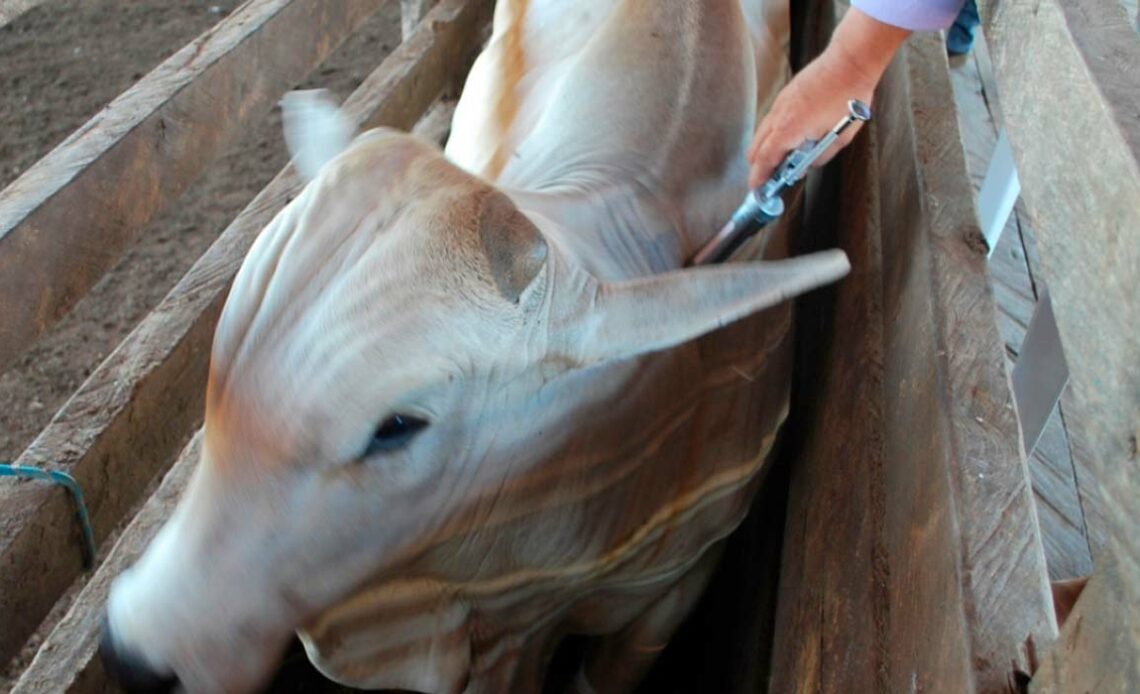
514,247
507,104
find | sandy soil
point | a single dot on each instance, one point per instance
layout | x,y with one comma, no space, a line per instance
59,64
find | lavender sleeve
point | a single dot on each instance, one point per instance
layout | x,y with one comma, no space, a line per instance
915,15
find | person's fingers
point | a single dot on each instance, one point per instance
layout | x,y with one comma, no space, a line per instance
771,152
755,174
755,177
762,132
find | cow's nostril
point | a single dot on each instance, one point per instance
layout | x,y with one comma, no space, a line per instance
129,670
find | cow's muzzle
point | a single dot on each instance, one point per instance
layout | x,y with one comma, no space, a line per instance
130,670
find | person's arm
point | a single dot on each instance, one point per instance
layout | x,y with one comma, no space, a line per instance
862,46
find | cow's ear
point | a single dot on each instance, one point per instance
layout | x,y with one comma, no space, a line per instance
315,129
625,319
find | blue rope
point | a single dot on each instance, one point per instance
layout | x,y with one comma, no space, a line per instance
69,483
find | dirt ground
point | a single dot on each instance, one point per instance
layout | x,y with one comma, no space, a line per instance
60,63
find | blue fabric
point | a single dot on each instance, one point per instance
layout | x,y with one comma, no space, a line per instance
960,36
915,15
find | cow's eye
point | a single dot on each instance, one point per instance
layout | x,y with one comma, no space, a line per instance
394,433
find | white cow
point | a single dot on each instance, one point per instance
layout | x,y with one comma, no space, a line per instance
461,406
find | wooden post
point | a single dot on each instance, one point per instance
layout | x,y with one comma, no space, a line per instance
1070,91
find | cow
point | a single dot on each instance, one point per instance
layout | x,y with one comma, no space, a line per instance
464,404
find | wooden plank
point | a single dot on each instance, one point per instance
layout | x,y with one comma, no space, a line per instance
65,221
436,123
125,423
956,479
11,9
1088,484
1059,510
67,660
1012,274
1098,646
831,615
943,583
411,12
1073,116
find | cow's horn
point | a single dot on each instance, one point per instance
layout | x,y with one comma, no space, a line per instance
514,247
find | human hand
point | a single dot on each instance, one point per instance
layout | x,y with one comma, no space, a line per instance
809,106
816,98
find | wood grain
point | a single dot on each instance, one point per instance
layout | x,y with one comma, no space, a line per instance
950,407
913,489
65,221
129,418
830,619
1073,116
411,12
1098,646
67,660
11,9
1015,276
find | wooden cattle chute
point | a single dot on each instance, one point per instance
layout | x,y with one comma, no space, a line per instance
912,558
1072,109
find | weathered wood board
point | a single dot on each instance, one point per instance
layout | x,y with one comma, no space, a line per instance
933,574
1015,276
949,398
67,660
11,9
831,618
130,417
1098,646
64,222
1073,116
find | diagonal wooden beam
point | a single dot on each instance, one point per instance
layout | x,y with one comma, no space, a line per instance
66,220
11,9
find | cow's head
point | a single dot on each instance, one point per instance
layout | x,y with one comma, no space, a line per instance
381,369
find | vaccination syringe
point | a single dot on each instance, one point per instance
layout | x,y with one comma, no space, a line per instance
764,204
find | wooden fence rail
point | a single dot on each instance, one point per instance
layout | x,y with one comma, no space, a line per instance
1068,75
65,221
912,554
11,9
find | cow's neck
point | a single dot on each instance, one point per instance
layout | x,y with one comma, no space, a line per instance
624,122
613,233
623,229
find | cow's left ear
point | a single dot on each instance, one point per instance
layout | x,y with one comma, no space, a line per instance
618,320
316,130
